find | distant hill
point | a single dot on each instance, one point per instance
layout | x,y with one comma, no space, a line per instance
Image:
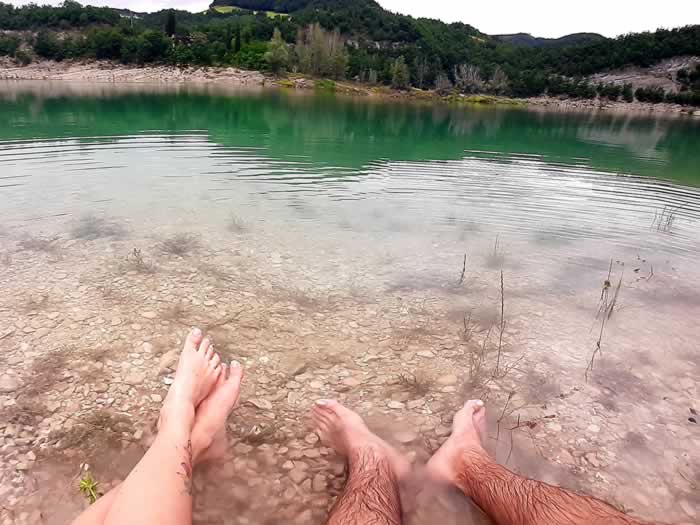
575,39
290,6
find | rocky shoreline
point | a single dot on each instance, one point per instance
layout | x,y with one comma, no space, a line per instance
111,72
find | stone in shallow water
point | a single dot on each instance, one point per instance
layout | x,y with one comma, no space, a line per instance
449,379
149,315
262,404
8,384
135,378
406,437
297,475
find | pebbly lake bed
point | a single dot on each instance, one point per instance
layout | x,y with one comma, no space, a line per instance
400,257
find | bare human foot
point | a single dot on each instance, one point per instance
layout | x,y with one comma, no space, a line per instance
345,432
197,372
209,432
468,427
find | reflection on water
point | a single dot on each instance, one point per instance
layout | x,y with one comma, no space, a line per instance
384,171
320,240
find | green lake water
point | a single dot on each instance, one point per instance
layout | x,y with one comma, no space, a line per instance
352,172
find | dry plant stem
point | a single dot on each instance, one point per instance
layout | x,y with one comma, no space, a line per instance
501,328
464,269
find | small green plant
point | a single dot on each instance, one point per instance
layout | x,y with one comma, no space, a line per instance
88,488
325,85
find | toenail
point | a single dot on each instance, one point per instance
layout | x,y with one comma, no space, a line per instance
235,364
322,402
196,332
479,403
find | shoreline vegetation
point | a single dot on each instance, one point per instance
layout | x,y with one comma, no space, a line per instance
352,46
109,72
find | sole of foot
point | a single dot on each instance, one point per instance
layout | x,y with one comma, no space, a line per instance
468,430
345,432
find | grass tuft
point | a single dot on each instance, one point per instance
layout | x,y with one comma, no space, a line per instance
181,244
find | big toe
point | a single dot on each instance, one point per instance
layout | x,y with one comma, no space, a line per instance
193,340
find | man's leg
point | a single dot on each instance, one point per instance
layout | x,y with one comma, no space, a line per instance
371,495
507,498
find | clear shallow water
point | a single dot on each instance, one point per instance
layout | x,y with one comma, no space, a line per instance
352,218
353,174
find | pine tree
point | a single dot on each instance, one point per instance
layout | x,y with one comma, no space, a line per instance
170,23
400,74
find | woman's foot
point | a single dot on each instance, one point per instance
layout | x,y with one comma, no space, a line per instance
345,432
468,427
209,432
197,372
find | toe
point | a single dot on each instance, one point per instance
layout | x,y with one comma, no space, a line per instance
235,374
223,376
204,347
215,361
194,338
326,405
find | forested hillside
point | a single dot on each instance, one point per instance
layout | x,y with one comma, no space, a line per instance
355,39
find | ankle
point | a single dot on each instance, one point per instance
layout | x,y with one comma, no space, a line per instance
176,419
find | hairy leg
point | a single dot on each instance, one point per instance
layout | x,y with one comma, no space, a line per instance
371,495
507,498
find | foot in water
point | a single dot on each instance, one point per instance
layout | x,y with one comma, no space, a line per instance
209,432
468,429
345,432
197,372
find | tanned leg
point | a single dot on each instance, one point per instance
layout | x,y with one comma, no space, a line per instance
507,498
159,489
371,495
208,435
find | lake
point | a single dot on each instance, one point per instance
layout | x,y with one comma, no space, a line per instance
367,249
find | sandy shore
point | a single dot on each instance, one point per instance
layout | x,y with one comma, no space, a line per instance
105,71
110,72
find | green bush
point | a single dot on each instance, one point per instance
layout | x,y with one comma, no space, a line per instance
8,45
685,98
23,57
252,56
325,85
46,45
654,94
152,46
627,93
106,43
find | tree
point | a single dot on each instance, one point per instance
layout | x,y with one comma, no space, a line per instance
499,83
421,70
627,93
321,53
400,74
372,76
468,79
277,55
237,44
443,85
153,46
170,23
